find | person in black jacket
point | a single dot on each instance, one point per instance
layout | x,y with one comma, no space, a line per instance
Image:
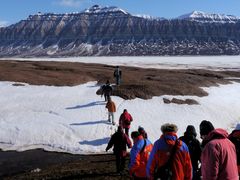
194,147
119,141
107,90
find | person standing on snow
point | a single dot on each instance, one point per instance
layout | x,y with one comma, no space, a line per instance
120,142
107,90
111,110
169,153
139,155
234,137
125,121
117,75
219,160
194,147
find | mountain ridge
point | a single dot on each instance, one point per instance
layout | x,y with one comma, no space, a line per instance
110,31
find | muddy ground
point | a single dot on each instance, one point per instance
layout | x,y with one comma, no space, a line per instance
136,82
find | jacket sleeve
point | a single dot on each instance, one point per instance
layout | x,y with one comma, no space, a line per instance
188,167
210,162
135,157
114,107
152,162
129,143
110,143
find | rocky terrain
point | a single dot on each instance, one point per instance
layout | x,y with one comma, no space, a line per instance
111,31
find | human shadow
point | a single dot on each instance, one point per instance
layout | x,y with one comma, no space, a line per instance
96,142
90,123
96,103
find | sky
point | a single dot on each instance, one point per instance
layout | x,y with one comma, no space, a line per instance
60,119
12,11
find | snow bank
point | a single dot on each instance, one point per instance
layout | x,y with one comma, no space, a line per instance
74,119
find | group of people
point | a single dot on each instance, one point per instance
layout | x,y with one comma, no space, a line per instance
176,158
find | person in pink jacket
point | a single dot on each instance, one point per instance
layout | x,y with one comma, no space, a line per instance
219,161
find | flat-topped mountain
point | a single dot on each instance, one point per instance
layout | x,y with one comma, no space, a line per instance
109,31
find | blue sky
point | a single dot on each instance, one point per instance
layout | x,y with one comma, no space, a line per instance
12,11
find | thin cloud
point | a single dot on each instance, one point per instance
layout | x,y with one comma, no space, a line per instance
3,23
70,3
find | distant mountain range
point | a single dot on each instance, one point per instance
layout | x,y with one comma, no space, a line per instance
111,31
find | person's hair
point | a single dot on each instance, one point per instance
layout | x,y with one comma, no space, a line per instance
190,131
206,127
169,128
125,110
135,134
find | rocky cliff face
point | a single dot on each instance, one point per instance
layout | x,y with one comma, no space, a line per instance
112,31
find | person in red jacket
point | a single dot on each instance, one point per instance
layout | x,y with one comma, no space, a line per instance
139,156
111,110
125,121
180,164
218,157
234,137
119,141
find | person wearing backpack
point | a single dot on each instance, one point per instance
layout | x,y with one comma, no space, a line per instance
125,121
234,137
169,158
195,150
218,158
139,156
119,141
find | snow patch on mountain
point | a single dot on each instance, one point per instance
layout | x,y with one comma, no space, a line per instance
200,16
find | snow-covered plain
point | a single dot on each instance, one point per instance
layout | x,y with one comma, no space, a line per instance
74,119
159,62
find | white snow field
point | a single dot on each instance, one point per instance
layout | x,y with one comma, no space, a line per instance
74,119
159,62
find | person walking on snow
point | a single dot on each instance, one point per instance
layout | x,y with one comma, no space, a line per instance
120,142
125,121
111,110
218,157
117,75
139,156
169,150
107,90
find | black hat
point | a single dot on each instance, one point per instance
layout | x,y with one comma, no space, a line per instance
191,130
206,127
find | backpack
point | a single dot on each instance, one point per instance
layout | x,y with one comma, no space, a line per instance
165,172
126,119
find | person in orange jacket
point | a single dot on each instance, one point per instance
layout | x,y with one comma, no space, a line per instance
180,165
111,110
139,156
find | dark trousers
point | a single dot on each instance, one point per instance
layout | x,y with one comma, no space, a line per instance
120,163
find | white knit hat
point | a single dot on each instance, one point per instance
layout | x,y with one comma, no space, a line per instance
237,126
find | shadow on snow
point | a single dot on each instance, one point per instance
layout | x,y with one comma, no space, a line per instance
90,123
96,142
96,103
